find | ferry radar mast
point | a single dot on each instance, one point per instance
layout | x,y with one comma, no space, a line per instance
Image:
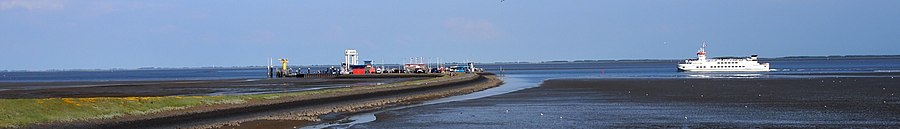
701,54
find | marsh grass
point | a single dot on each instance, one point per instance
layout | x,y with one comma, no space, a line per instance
22,112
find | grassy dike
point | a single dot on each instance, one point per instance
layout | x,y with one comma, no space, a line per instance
22,112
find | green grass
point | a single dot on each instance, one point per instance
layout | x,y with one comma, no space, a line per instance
22,112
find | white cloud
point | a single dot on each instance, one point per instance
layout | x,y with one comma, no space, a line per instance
32,4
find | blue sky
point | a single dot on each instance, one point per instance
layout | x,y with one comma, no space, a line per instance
70,34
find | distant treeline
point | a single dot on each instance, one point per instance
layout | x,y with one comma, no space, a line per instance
846,56
722,57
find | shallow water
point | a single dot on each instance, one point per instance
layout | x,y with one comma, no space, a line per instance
511,84
590,109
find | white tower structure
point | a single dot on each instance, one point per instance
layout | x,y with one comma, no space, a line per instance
351,57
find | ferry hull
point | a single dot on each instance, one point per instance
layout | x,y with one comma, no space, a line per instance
693,68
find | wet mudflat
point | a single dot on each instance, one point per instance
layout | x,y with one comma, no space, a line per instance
839,102
169,88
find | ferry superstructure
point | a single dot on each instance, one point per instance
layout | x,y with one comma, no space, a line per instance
701,64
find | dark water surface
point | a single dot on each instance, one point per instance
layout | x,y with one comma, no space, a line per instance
621,69
797,93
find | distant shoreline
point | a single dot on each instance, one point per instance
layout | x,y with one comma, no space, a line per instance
829,57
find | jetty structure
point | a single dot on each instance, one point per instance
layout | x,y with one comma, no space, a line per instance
352,68
702,64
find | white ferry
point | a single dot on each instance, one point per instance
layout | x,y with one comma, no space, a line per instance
701,64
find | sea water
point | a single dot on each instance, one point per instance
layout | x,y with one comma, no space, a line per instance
523,76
